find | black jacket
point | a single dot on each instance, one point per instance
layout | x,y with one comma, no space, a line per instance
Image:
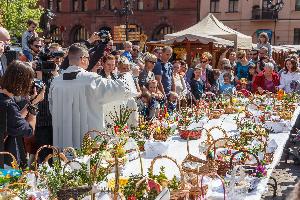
17,128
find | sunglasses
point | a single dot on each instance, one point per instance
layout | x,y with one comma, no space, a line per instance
203,61
135,50
240,57
37,46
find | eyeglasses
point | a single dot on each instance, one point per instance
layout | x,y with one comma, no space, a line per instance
37,46
85,57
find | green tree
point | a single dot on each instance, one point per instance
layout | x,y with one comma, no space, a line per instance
15,13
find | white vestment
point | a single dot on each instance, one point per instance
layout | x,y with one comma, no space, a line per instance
77,105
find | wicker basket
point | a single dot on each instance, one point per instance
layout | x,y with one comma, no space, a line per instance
215,114
182,192
55,154
223,166
14,162
90,144
67,193
191,134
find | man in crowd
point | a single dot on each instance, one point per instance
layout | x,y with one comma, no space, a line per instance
35,46
128,50
4,38
163,71
76,99
27,35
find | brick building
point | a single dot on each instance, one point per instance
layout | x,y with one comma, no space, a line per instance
79,18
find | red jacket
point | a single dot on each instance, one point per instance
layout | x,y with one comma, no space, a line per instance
259,81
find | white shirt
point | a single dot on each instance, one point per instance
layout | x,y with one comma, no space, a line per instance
77,105
286,79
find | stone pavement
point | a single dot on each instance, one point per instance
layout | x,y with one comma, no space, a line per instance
287,175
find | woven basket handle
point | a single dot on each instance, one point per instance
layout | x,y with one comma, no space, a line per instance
214,146
213,175
188,139
243,151
70,150
14,161
55,153
218,128
182,183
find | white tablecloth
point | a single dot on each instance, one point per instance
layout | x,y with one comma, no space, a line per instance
178,151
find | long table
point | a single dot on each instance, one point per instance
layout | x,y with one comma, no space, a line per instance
178,150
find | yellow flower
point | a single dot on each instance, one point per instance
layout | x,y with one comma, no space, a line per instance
234,100
167,115
158,130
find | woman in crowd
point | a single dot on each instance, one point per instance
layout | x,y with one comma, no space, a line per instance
263,41
147,75
108,67
267,80
197,85
291,73
242,66
17,81
180,86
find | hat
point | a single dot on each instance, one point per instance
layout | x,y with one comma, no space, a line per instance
123,60
150,58
243,81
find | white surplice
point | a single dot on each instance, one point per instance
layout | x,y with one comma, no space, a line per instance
77,105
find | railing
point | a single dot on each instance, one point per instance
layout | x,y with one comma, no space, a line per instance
262,14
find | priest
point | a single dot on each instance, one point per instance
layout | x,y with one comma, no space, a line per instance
76,99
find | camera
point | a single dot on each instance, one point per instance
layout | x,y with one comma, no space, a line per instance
38,85
10,54
104,35
45,64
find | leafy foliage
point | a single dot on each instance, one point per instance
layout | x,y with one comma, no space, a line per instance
15,13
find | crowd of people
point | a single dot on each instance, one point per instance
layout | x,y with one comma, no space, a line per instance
54,95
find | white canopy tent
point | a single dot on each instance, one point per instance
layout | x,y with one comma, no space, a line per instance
211,28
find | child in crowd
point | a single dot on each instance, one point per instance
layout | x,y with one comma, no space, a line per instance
157,97
143,104
243,87
172,102
197,85
215,88
226,87
263,41
252,75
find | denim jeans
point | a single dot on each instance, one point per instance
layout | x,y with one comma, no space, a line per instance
28,55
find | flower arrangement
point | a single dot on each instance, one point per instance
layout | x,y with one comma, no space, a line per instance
260,171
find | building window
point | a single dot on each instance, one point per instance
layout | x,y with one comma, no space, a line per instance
75,6
161,31
111,5
58,5
297,5
160,4
100,4
140,4
233,6
50,4
84,5
214,6
56,35
297,36
80,34
265,4
171,4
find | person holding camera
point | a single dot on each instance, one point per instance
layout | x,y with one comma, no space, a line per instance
77,97
18,80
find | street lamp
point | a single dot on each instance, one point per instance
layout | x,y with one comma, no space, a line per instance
275,6
126,11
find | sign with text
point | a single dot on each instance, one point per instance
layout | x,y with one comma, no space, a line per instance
119,33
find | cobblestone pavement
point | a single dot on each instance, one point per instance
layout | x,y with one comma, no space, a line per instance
287,175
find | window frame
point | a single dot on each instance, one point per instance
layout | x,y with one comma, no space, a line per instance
75,9
214,3
58,5
296,36
297,5
235,7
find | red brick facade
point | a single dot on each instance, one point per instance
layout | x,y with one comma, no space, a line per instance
153,17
